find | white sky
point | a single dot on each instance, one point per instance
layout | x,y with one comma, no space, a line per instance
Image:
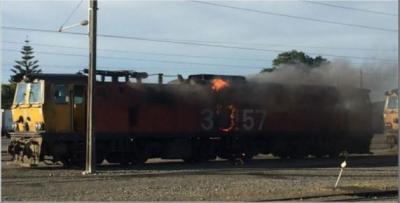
185,20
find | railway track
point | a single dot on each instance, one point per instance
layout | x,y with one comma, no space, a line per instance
345,196
368,177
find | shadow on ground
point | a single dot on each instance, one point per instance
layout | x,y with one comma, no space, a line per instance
352,161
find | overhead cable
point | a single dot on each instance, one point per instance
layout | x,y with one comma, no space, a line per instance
149,60
297,17
351,8
195,44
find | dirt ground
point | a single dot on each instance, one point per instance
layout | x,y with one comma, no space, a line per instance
367,177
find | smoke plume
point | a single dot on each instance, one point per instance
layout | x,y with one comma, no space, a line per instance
378,78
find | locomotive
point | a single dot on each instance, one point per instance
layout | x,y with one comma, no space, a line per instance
195,119
391,117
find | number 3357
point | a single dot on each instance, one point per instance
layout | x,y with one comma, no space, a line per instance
251,119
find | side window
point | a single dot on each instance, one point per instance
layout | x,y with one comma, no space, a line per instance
20,94
60,94
79,92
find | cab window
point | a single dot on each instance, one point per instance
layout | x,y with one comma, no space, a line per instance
60,94
78,94
20,93
393,102
35,93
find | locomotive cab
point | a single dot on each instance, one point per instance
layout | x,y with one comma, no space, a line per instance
49,103
27,107
45,105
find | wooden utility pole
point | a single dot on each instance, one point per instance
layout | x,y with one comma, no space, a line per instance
361,79
90,122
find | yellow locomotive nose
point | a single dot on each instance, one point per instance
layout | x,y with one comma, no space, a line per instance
28,121
390,117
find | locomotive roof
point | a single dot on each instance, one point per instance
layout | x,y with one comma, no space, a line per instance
393,91
57,77
208,77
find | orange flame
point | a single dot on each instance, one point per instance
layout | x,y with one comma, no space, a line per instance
232,120
219,84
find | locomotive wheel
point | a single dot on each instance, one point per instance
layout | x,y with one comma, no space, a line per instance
31,154
125,163
65,160
247,157
140,161
298,154
133,160
99,157
391,141
295,156
318,154
140,157
282,154
236,162
141,153
124,159
189,160
195,159
334,153
78,162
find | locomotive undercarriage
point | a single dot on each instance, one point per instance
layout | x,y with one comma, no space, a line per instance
69,149
25,148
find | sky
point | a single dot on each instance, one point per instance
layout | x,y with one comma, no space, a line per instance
242,41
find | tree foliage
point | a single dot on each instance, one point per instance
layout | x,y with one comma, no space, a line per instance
7,95
295,57
27,64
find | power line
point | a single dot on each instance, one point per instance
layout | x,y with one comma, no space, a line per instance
49,65
157,53
193,43
139,59
220,42
351,8
147,53
296,17
294,45
156,61
151,53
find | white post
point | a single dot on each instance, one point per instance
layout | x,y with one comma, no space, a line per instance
342,166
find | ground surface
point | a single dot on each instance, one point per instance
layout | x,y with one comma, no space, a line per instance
368,177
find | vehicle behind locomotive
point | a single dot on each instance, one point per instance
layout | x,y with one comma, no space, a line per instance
197,119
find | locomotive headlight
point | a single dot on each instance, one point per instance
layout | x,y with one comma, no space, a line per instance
39,126
14,126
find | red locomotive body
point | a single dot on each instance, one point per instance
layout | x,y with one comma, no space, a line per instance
149,109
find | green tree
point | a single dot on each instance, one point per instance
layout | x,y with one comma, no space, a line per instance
26,65
296,57
7,95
